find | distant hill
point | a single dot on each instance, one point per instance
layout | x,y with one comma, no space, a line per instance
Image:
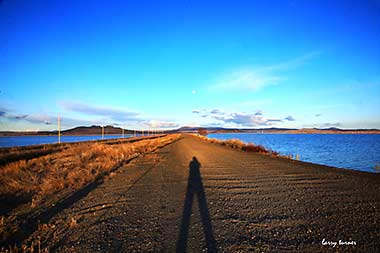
97,130
81,130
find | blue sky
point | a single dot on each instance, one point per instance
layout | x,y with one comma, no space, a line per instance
165,64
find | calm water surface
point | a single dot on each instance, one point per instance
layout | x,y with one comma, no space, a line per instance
353,151
13,141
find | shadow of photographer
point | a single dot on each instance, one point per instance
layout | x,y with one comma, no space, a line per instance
195,187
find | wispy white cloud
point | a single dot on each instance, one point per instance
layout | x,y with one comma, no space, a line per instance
249,79
337,124
290,118
87,115
245,119
160,124
254,79
32,118
292,63
216,111
241,119
39,119
113,114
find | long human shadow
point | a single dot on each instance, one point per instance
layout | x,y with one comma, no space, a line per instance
195,187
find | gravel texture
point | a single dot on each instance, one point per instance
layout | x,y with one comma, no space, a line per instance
200,196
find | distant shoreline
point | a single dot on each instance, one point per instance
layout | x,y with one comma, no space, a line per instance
110,130
218,132
42,135
306,132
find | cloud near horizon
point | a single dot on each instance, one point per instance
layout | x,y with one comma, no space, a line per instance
110,116
108,112
44,119
160,124
337,124
241,119
32,118
118,116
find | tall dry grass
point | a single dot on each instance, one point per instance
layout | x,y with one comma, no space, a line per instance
8,155
238,144
71,168
27,185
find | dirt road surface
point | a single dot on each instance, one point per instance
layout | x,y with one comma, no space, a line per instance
196,196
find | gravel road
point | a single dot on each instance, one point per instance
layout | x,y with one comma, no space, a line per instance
197,196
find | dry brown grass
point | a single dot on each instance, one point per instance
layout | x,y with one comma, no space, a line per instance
12,154
29,184
238,144
71,168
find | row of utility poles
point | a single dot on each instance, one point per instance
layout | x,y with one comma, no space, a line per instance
147,132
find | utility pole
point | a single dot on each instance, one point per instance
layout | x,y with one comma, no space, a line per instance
122,132
102,132
59,129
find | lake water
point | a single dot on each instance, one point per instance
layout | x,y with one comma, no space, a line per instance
13,141
353,151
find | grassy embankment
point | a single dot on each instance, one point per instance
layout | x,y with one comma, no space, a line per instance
238,144
35,179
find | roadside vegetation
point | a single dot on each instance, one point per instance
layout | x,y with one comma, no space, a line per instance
35,178
238,144
202,131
